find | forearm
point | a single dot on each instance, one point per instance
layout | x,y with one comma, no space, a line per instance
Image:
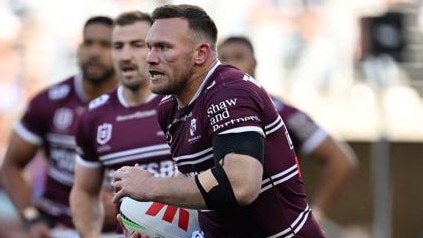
110,209
87,213
338,162
19,153
183,191
178,191
333,179
16,186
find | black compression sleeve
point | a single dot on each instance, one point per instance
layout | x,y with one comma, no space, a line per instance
246,143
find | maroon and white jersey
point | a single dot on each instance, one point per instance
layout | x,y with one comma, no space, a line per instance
229,101
50,121
112,135
305,133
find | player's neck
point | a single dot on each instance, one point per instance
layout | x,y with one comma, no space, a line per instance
195,82
95,90
136,97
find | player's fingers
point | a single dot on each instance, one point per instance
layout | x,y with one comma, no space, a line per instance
139,235
136,234
123,169
125,231
117,196
116,186
119,220
116,178
117,175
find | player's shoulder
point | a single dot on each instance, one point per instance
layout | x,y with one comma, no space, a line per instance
167,107
295,116
101,101
57,91
230,81
279,104
167,101
226,74
157,98
287,108
224,77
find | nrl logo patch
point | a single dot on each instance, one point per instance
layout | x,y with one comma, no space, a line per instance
104,133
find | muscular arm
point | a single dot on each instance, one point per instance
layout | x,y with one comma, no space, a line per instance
86,205
182,191
19,153
338,163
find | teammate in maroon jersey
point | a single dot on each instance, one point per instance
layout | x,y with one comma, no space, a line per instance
120,128
225,135
337,158
49,123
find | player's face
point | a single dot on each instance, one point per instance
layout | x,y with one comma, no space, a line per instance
129,54
94,53
171,55
238,55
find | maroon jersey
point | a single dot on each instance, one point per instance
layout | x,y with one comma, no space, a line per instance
229,101
113,135
305,133
50,120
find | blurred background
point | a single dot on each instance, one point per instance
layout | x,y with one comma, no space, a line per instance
354,65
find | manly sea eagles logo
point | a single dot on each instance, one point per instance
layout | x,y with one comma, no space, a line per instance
104,133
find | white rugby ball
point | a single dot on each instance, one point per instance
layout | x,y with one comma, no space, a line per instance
159,220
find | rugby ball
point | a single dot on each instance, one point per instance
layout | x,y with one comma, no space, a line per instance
158,220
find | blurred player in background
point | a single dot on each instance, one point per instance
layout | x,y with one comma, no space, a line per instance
49,124
337,158
120,128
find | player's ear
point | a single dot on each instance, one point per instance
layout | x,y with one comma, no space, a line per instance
201,53
254,63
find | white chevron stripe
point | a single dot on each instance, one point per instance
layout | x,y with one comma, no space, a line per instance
135,151
191,156
296,225
136,156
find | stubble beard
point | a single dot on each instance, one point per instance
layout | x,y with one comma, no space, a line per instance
134,87
179,85
98,80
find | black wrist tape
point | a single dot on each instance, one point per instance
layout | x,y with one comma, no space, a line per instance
220,196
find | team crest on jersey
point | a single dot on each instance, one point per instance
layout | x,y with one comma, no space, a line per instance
192,131
98,101
63,118
104,133
58,92
193,126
